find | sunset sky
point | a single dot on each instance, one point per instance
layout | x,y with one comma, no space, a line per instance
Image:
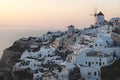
55,13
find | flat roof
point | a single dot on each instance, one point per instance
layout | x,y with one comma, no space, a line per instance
97,54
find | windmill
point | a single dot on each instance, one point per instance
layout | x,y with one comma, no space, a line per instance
95,13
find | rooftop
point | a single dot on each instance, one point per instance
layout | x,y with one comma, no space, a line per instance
70,26
97,54
100,13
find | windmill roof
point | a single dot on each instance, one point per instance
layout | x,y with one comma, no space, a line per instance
70,26
100,13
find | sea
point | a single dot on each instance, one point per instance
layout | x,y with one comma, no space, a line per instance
8,34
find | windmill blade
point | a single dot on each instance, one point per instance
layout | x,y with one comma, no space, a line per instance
95,12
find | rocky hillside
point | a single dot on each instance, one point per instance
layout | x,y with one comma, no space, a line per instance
11,55
75,74
111,72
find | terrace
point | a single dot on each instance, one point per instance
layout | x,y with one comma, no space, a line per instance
116,35
97,54
116,30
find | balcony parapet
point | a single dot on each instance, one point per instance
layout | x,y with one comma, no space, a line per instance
115,36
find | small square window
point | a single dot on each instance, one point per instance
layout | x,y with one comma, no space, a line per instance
89,73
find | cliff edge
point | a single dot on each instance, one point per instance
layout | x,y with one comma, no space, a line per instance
11,55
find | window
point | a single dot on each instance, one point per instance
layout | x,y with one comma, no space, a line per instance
89,73
95,44
92,62
100,44
103,63
96,62
95,73
62,44
89,64
99,63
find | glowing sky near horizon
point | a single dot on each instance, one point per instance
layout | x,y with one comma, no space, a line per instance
55,13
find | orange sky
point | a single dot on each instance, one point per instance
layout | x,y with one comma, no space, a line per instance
55,13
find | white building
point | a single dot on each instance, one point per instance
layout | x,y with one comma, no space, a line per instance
93,58
63,75
90,62
64,41
57,34
46,38
44,51
32,64
47,50
115,20
105,29
58,42
90,73
103,40
53,59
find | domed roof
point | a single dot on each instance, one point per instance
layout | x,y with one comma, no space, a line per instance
100,13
